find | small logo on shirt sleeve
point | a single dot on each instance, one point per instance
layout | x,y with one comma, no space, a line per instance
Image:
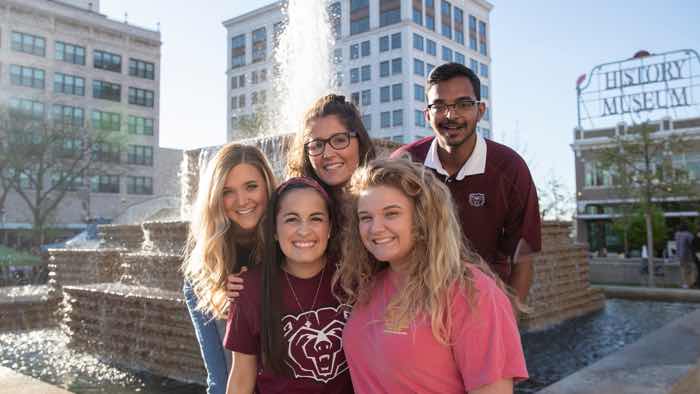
477,199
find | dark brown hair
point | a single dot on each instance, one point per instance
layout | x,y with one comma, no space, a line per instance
447,71
298,163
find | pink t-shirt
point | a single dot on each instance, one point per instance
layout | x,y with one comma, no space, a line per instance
485,344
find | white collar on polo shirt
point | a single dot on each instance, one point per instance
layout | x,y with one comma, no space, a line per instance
476,164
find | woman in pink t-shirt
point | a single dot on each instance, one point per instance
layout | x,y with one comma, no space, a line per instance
422,320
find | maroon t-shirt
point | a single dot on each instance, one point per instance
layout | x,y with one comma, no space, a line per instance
312,338
496,208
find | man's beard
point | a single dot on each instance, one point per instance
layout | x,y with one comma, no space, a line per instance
470,130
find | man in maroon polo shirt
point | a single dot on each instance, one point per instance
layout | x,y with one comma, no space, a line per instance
490,183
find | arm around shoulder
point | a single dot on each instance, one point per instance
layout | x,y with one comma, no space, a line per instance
243,374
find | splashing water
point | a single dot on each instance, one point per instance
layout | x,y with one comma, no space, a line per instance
303,56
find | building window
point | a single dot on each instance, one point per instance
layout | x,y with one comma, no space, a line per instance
259,45
366,73
482,38
365,48
397,139
68,182
359,16
389,12
430,14
397,92
484,70
355,97
238,51
418,42
385,94
428,68
484,92
367,121
253,98
418,67
354,75
446,54
354,51
460,58
241,101
241,81
104,184
67,115
141,69
472,32
384,68
446,18
68,84
418,12
70,53
27,76
487,115
396,66
140,154
139,185
459,25
383,43
595,175
107,121
431,47
366,97
419,93
107,91
419,118
140,125
335,17
28,43
385,119
397,118
141,97
107,61
474,65
338,56
396,41
31,109
254,77
106,153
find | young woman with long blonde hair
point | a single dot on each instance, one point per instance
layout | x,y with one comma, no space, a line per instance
428,315
232,196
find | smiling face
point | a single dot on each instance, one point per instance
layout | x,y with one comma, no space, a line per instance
454,128
385,223
334,166
303,227
245,196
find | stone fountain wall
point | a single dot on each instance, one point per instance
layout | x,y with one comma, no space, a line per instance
561,289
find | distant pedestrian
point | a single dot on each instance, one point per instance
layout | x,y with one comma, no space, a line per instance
686,254
696,248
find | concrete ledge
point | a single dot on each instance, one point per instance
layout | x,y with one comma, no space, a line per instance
16,383
660,362
650,293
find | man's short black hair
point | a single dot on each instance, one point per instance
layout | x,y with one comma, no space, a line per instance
447,71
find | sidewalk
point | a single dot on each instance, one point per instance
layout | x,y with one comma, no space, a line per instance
16,383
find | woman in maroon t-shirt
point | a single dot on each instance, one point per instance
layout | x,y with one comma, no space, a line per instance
286,327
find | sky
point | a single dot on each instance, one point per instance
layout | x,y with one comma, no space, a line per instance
538,48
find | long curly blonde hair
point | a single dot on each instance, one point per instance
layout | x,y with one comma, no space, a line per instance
440,258
210,254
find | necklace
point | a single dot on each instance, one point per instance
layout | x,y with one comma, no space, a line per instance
313,305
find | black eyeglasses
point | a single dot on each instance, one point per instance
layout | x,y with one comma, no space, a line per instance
338,141
460,106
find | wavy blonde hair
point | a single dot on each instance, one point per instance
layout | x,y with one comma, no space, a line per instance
210,254
437,262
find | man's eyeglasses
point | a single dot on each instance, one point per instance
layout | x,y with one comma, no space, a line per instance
460,106
338,141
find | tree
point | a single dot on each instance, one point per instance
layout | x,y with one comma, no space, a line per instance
43,158
556,202
256,124
641,164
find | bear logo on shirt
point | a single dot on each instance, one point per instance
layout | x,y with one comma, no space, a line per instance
477,199
315,343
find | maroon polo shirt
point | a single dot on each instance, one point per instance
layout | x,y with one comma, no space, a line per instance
496,208
312,337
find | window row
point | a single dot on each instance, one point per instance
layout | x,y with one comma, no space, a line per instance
75,116
452,23
76,54
239,101
389,14
257,76
258,47
387,119
386,94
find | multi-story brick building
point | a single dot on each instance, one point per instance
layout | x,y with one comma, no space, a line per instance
383,52
64,58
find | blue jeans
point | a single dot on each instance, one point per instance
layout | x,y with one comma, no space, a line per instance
210,344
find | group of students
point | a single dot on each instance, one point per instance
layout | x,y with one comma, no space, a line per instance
355,273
